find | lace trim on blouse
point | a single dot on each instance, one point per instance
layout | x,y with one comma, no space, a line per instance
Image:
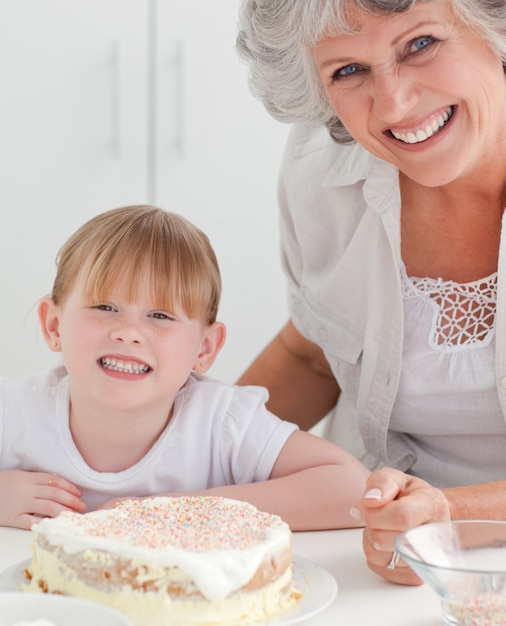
464,314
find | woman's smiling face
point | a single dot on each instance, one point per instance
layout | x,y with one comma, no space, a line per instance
418,89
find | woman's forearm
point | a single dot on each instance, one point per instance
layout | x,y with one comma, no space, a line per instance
483,501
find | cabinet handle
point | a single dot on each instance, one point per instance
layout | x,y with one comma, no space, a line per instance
116,99
180,100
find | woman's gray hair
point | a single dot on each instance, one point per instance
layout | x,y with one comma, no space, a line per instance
275,36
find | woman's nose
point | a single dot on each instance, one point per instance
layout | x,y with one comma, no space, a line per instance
394,96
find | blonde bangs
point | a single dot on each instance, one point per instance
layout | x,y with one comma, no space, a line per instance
144,252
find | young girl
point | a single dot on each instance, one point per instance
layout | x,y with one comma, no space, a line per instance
133,311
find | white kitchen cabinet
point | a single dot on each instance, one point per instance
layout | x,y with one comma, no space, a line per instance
216,160
73,111
112,102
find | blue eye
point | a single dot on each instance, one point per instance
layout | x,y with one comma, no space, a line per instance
421,43
346,71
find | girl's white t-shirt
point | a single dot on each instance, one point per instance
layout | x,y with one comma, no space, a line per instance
219,434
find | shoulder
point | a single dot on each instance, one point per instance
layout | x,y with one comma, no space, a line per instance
322,181
313,147
214,393
313,158
237,409
24,399
46,379
319,176
304,140
35,388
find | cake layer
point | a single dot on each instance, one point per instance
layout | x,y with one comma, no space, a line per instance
174,606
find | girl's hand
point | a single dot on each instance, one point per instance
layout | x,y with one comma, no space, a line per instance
25,497
394,502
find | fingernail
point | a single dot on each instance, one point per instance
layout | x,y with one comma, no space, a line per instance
373,494
355,513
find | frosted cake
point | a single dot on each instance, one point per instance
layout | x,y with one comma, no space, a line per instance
186,560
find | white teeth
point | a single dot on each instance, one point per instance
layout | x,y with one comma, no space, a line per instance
431,129
124,366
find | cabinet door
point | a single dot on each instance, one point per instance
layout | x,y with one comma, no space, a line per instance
114,102
73,128
216,156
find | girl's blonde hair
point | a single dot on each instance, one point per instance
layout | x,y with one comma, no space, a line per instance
139,247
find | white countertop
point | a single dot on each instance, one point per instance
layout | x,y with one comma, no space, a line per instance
363,599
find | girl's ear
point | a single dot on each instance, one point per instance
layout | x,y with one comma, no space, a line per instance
50,323
212,343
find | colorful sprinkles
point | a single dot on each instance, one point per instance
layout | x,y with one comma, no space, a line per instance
483,609
193,523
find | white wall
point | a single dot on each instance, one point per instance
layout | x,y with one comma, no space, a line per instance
77,121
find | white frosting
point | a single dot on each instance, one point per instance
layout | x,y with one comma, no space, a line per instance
152,530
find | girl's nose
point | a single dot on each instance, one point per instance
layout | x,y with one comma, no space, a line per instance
127,333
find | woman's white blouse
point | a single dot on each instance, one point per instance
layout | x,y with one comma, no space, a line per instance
340,213
447,371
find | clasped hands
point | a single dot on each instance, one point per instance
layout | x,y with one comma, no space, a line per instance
394,502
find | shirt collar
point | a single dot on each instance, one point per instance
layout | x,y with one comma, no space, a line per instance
353,165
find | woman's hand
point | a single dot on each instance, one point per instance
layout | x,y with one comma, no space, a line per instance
394,502
25,497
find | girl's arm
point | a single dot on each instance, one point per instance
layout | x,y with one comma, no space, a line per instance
313,485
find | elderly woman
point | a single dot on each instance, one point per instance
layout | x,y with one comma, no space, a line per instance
392,193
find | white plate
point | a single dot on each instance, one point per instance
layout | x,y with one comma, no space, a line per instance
318,588
16,607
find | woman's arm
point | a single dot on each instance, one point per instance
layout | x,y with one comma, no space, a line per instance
485,501
301,386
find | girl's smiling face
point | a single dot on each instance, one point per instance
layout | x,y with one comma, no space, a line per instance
124,354
418,89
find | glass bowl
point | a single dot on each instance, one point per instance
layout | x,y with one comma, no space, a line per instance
465,563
